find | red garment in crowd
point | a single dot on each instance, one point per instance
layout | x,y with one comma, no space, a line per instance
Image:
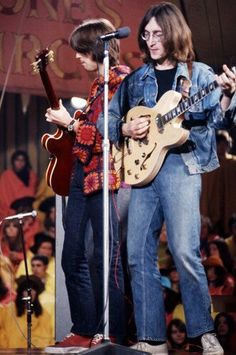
12,188
227,289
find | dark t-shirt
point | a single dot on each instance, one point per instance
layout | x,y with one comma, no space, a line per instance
165,80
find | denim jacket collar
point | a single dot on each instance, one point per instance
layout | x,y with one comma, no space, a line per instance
182,71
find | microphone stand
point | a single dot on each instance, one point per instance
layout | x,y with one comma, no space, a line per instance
108,347
28,298
106,151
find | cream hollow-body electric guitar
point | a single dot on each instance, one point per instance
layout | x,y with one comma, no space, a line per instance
139,160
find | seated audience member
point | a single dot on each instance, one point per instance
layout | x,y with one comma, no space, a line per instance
43,245
231,240
30,224
218,198
43,191
11,242
177,335
225,328
174,279
164,256
17,181
220,282
7,271
220,249
6,296
48,208
13,318
206,234
171,298
39,266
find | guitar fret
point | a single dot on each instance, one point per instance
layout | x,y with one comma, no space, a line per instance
181,104
203,92
178,111
207,90
211,87
160,122
169,116
196,98
186,104
192,100
165,118
174,113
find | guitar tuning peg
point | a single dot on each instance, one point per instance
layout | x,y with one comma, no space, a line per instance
35,67
51,56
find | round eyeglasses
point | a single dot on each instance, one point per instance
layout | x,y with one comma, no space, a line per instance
155,35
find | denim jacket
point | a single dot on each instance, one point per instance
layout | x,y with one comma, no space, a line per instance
141,88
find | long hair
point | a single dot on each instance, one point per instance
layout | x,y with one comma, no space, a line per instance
177,37
229,320
24,174
16,244
221,275
180,325
21,305
3,289
224,253
84,39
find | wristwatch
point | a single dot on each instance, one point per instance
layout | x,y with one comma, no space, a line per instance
70,126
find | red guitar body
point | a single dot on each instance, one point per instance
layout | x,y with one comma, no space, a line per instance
59,144
58,173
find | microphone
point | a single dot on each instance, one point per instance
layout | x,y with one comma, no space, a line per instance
22,215
122,32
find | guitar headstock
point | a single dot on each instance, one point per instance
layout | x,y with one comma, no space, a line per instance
42,59
39,66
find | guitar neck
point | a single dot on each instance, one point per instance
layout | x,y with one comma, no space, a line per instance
185,104
52,98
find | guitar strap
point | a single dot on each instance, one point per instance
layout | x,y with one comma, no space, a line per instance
185,84
99,92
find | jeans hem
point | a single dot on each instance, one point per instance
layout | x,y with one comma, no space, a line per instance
150,339
201,333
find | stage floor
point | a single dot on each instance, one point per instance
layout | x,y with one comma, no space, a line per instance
41,352
21,351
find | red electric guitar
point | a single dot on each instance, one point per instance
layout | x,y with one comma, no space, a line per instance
59,144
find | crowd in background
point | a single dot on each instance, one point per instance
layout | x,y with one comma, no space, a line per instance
20,192
27,242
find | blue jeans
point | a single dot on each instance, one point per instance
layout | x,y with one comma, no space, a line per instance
173,196
85,290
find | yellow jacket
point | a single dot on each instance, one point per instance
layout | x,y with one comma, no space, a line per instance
13,329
